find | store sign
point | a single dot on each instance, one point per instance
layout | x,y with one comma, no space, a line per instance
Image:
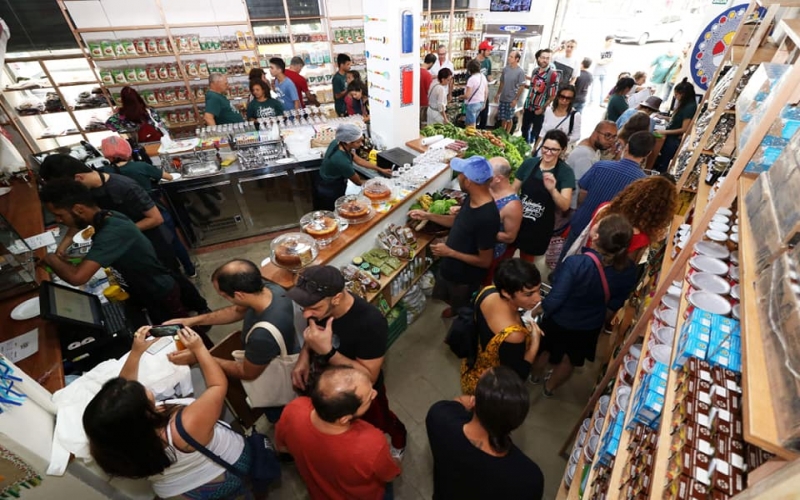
512,28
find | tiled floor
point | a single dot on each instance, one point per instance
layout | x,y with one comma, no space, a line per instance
420,370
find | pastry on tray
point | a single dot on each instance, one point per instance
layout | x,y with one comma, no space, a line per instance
321,226
354,209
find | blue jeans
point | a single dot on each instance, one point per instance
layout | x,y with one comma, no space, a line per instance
473,110
599,87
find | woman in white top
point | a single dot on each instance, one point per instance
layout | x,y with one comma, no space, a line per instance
437,97
475,92
129,436
558,117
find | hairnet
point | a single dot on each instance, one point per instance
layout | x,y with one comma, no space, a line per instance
348,132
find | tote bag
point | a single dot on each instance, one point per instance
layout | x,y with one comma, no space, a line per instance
274,386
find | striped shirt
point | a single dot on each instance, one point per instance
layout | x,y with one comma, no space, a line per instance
543,88
603,182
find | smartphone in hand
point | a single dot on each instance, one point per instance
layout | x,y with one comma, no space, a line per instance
165,330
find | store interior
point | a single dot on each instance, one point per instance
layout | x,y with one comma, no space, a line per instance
694,389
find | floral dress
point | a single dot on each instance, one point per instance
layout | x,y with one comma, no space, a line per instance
488,358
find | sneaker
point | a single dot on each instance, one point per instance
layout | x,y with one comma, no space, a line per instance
397,454
535,380
545,392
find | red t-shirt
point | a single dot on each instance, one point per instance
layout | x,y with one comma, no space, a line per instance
425,79
639,240
299,82
355,464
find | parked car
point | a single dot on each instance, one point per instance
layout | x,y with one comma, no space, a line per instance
642,28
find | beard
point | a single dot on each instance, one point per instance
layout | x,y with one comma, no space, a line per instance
80,224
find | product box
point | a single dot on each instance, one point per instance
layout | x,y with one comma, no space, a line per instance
685,488
689,346
694,436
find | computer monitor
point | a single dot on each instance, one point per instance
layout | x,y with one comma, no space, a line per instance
68,305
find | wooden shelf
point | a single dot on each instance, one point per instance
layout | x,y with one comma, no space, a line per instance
65,84
791,27
148,82
423,240
170,55
762,54
760,427
112,29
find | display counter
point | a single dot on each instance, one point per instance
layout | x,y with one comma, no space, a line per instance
22,208
359,238
236,203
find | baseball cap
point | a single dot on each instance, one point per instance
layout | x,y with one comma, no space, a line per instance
485,45
652,102
475,168
115,147
315,283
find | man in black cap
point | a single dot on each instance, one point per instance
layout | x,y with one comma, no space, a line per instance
344,330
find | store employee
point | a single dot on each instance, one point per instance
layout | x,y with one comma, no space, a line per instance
219,109
116,243
330,183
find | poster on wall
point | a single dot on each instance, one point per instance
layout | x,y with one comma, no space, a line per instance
709,48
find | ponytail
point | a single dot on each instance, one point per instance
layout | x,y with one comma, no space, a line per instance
614,234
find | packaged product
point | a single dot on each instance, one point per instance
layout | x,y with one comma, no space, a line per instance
199,92
250,41
141,46
152,45
163,45
170,94
241,41
119,48
163,71
182,94
130,75
202,69
108,48
191,69
172,71
106,76
95,48
216,44
194,42
119,75
149,97
130,47
141,74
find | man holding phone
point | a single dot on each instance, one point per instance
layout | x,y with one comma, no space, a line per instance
344,330
253,300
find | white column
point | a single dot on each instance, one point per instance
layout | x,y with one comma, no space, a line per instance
392,122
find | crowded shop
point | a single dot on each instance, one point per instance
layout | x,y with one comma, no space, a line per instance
449,249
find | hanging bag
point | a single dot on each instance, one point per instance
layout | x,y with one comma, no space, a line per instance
599,265
462,338
274,386
264,465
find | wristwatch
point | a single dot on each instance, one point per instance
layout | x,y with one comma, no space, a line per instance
327,357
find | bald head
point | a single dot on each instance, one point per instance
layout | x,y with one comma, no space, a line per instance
340,393
238,275
500,167
604,135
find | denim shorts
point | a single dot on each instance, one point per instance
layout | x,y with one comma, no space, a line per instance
473,110
505,111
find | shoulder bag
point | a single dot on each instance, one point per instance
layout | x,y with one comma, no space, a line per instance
274,386
264,465
462,338
599,265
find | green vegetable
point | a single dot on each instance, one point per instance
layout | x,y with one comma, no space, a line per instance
442,207
415,206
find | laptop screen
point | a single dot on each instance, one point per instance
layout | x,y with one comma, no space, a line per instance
64,304
71,305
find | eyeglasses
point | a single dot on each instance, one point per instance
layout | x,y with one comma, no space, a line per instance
551,151
608,135
313,286
570,46
566,97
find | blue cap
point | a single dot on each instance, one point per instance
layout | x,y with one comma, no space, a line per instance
475,168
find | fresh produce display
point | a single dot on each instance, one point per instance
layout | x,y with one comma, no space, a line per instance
457,146
484,143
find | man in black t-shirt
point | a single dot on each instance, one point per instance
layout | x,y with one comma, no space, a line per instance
468,252
582,84
470,439
116,243
344,330
253,300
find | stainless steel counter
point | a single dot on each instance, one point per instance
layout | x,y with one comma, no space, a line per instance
236,203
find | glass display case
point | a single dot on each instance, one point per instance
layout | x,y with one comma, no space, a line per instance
17,264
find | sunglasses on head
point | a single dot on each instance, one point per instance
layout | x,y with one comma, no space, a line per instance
313,286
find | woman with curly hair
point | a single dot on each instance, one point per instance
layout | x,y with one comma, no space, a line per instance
649,204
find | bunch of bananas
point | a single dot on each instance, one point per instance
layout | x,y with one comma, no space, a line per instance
426,201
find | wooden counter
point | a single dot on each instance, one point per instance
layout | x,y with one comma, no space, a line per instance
21,207
353,234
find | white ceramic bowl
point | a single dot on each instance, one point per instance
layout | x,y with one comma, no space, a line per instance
664,336
708,282
714,235
711,249
704,264
710,302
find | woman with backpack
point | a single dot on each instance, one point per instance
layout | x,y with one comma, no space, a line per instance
503,337
563,116
585,287
133,115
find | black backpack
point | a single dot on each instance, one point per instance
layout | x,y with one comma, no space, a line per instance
462,338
